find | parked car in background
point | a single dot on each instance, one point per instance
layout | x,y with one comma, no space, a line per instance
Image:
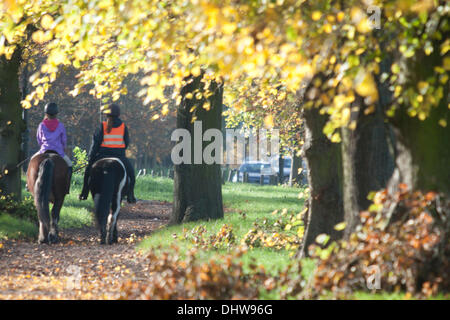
287,163
286,167
254,170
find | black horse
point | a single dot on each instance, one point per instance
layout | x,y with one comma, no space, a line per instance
107,183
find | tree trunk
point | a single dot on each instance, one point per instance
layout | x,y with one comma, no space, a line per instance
280,168
349,182
423,147
198,187
367,163
324,177
11,126
423,151
296,164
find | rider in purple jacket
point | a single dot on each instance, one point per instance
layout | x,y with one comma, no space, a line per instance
51,135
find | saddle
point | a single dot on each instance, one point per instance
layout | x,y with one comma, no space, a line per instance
51,151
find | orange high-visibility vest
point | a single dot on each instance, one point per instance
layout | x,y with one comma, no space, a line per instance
113,139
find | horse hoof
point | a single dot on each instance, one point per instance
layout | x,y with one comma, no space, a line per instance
42,241
52,238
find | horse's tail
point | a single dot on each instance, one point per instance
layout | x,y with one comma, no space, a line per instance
42,189
104,178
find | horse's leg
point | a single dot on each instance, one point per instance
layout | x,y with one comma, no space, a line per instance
111,221
53,234
101,218
42,191
115,236
43,231
112,218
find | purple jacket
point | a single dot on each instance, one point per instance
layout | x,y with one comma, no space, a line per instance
51,135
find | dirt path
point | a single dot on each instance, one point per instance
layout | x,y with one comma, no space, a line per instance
79,267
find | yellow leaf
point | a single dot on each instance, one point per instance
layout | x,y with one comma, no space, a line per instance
229,28
328,28
336,138
165,110
196,71
364,26
47,21
346,116
365,85
446,63
316,15
26,104
38,36
340,226
268,121
40,92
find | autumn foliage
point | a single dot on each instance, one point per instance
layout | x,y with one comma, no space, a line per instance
403,241
401,245
172,276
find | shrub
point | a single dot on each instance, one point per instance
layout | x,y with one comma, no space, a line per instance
24,209
402,243
80,157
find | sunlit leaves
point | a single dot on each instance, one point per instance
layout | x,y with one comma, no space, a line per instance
47,21
365,86
275,45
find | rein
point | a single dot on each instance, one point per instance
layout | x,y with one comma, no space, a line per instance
79,169
22,162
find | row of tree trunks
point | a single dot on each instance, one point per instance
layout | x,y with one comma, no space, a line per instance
341,175
374,155
198,187
11,125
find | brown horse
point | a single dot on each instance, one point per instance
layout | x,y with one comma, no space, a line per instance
47,180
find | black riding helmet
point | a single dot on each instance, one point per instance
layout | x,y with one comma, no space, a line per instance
111,109
51,108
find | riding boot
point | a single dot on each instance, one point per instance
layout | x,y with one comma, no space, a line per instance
69,175
130,196
85,191
130,172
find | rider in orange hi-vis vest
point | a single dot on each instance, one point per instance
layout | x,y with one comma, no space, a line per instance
114,138
111,139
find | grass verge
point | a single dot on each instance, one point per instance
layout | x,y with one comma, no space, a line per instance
246,204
